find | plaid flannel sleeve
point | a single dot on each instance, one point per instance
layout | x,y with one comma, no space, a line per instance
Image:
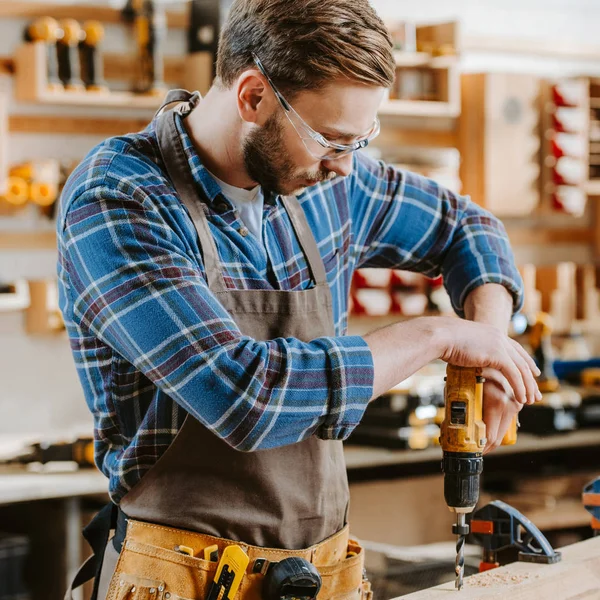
136,288
405,221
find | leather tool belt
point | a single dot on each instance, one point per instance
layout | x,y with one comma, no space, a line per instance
151,567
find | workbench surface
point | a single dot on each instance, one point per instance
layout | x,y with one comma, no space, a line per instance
576,576
20,485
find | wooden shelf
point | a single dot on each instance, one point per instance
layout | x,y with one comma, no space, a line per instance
424,59
27,240
80,12
594,102
418,108
32,86
592,187
74,125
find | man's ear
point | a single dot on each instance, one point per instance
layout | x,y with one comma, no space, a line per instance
255,99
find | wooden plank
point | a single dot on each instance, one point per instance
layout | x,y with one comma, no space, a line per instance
27,240
576,576
391,135
548,47
119,67
418,108
3,141
81,12
74,125
525,236
471,135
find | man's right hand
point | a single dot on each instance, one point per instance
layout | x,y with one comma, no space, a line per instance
401,349
470,344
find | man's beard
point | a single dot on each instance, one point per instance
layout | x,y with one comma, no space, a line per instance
268,164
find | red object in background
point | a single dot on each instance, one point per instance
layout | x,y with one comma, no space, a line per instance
436,282
565,95
372,278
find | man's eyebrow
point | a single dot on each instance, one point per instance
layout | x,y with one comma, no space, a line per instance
336,133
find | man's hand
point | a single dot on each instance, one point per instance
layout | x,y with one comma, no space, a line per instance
499,407
470,344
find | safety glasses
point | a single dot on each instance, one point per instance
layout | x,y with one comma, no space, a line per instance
316,144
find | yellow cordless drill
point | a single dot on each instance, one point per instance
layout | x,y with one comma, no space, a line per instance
463,438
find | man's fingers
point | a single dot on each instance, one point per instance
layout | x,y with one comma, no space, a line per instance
514,376
494,401
528,379
530,362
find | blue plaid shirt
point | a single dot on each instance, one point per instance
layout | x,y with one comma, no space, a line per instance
151,342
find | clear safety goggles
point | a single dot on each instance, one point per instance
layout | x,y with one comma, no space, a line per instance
316,144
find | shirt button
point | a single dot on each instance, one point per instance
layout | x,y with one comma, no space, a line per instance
244,232
222,207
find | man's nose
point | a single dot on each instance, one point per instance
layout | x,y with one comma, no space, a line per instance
340,166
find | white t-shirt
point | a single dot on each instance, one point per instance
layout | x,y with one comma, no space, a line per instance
249,204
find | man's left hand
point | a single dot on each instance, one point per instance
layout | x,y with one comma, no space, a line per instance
499,407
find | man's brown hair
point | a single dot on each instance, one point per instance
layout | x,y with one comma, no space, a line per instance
305,44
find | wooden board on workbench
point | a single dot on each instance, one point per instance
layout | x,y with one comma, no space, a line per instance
577,576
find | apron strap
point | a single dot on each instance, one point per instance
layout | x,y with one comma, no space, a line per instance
96,533
179,95
306,239
176,162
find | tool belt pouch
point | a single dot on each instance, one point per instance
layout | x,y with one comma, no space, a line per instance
150,568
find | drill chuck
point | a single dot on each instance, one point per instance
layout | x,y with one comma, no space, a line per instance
462,471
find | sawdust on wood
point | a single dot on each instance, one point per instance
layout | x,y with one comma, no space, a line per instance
492,579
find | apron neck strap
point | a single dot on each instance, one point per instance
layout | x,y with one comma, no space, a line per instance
178,169
190,100
306,239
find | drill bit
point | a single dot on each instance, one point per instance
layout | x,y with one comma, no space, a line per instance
460,552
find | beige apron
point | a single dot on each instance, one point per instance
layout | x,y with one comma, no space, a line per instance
290,497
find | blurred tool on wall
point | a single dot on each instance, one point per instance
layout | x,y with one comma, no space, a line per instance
150,29
67,47
591,501
90,54
47,30
206,17
79,451
558,408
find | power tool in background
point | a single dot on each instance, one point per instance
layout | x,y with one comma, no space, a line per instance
498,525
47,30
591,502
463,438
80,451
90,57
67,47
559,407
150,26
540,341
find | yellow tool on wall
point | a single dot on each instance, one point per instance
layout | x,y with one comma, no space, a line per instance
67,47
90,56
463,438
47,30
150,26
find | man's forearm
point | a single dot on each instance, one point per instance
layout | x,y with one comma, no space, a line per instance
490,303
400,350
